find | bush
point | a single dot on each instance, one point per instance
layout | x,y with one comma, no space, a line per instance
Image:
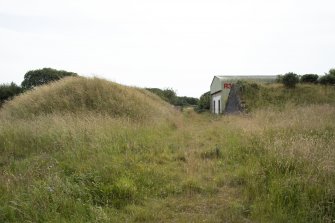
8,91
327,79
332,72
186,101
35,78
204,102
309,78
170,96
290,80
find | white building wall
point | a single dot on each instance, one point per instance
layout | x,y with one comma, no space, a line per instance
217,99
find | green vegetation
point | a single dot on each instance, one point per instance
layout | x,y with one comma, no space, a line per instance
170,96
290,80
32,79
309,78
272,96
96,151
38,77
8,91
329,78
204,102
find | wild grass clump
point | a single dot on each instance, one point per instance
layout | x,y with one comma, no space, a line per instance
285,164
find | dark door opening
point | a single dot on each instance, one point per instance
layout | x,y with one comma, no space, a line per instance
214,107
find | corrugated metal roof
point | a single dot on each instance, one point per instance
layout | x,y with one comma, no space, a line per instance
225,77
265,78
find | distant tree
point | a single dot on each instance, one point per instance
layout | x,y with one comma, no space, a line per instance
290,80
158,92
205,101
191,100
186,101
35,78
332,72
309,78
8,91
327,79
168,94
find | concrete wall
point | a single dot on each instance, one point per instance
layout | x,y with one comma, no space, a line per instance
216,103
216,85
219,93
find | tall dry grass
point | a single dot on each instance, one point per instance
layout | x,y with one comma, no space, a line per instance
92,164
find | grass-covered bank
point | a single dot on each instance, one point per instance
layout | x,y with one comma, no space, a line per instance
277,96
270,165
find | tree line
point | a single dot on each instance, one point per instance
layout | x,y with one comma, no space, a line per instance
170,96
291,79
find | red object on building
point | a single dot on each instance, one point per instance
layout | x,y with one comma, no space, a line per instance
227,85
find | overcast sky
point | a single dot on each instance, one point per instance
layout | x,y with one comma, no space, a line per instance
179,44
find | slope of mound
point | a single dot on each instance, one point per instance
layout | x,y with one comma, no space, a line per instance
80,95
257,96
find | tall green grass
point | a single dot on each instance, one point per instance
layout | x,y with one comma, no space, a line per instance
256,95
94,164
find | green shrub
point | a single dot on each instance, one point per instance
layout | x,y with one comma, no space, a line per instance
8,91
327,79
204,102
309,78
332,72
290,80
170,96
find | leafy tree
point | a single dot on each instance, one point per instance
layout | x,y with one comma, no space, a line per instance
290,80
309,78
8,91
328,78
170,95
186,101
205,101
158,92
332,72
35,78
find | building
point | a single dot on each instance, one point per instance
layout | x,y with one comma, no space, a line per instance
224,94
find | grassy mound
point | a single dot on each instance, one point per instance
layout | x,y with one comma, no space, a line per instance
276,96
81,95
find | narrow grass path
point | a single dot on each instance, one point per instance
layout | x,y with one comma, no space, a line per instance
206,194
